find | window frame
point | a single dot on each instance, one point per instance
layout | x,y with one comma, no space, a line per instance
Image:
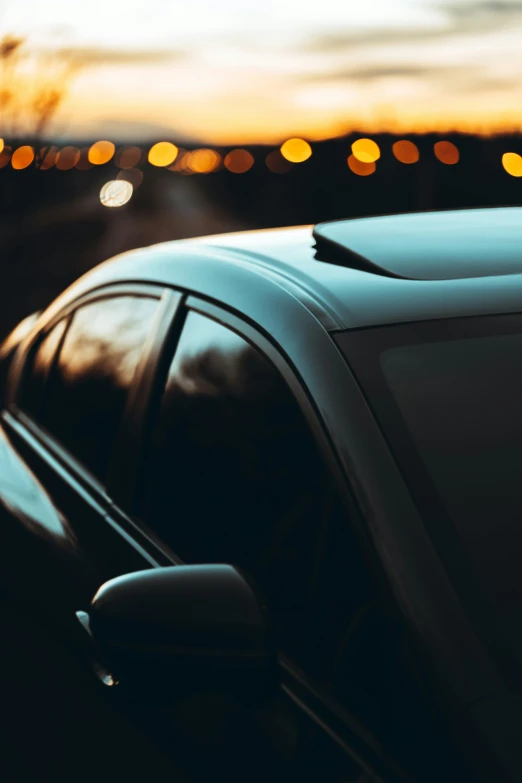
284,367
158,363
97,489
29,359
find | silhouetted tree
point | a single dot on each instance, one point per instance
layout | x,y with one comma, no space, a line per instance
32,87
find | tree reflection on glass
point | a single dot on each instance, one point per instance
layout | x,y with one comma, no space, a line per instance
93,374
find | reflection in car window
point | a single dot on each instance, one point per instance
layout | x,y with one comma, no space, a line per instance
92,376
35,375
234,475
232,471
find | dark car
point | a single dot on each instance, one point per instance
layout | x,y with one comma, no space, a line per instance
308,443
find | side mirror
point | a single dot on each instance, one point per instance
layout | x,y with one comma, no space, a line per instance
183,627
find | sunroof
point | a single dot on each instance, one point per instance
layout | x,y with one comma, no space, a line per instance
427,245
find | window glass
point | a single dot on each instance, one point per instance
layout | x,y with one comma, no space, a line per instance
234,475
447,394
37,370
93,374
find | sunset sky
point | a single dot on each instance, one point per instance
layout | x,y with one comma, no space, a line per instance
261,70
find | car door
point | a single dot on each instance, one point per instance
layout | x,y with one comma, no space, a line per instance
62,435
232,473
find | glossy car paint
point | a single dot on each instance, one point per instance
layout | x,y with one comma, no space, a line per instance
431,245
268,287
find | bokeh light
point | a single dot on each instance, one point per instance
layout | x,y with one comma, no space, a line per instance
366,150
406,151
360,167
203,161
180,165
67,158
83,163
128,157
239,161
22,157
48,157
101,152
296,150
134,176
446,152
5,156
163,153
116,193
1,145
277,164
512,163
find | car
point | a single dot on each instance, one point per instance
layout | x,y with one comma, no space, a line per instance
268,483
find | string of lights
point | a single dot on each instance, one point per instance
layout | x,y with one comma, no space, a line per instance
362,161
365,153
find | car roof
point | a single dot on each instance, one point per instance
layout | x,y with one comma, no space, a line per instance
343,293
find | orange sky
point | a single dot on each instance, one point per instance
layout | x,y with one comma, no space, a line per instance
261,70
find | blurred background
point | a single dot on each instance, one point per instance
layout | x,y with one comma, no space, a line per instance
124,124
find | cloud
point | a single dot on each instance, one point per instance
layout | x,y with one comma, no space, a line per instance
482,10
352,40
449,78
458,17
374,73
94,56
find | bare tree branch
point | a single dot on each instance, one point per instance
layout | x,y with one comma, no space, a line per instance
32,88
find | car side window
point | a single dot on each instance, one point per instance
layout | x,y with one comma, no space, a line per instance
90,381
36,372
234,475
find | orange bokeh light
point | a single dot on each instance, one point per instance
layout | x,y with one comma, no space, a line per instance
239,161
366,150
83,163
5,156
163,153
446,152
277,164
296,150
406,151
2,144
67,158
48,157
361,168
129,157
101,152
180,165
203,161
512,163
22,157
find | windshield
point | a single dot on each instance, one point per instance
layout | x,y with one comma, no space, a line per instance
448,395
